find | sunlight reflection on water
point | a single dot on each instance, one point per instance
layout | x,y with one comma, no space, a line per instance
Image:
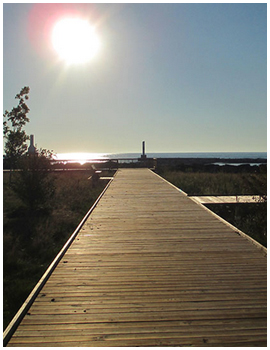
80,157
84,157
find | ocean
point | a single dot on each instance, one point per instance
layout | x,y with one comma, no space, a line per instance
104,156
224,155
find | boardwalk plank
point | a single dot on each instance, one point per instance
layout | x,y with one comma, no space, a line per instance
150,267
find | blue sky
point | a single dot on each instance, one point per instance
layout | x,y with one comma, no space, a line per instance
182,77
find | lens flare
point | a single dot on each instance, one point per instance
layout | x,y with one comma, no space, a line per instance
75,40
43,18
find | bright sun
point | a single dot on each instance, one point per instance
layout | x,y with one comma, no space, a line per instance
75,40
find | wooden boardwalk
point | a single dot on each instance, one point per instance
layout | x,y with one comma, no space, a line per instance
227,199
150,267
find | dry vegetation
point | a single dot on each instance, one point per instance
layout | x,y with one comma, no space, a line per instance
214,184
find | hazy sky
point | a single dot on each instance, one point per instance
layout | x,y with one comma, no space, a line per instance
182,77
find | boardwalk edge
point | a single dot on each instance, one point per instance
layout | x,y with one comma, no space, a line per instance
30,299
235,229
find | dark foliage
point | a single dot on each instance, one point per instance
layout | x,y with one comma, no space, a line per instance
33,238
251,218
34,184
14,134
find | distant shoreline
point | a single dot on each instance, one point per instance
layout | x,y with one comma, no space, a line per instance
194,155
224,157
216,161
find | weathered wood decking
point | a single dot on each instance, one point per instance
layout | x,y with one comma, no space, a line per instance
226,199
151,267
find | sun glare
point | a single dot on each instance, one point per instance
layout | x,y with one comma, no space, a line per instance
75,40
79,157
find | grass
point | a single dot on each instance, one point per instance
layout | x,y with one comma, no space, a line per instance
32,240
195,184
